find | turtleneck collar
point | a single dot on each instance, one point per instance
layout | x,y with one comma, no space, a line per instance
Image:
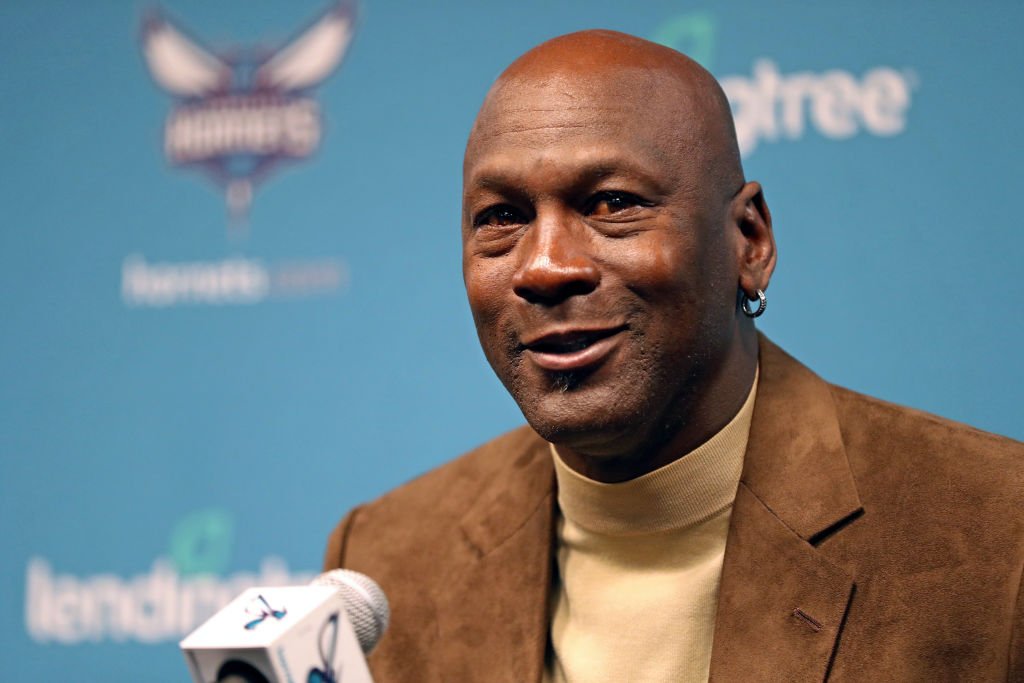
685,492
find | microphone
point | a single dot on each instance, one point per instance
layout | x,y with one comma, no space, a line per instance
295,634
365,604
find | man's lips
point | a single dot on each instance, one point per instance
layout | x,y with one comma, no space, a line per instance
572,349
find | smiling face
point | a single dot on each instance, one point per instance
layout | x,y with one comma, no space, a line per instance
601,255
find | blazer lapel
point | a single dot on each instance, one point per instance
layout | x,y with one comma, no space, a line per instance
782,602
493,611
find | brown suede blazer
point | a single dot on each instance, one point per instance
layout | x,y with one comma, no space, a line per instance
868,542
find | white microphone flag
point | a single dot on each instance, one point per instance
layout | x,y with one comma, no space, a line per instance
285,633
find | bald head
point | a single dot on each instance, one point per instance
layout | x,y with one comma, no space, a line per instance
666,92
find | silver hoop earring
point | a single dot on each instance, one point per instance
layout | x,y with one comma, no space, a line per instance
762,303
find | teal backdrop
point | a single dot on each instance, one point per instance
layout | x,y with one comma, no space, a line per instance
190,399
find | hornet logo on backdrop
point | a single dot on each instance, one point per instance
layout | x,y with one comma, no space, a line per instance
242,112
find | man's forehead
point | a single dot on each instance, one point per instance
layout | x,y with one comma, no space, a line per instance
581,87
613,89
556,116
563,103
624,109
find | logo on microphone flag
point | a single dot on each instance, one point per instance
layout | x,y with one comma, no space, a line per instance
261,609
314,643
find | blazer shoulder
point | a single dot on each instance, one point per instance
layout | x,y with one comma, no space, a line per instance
431,503
890,445
901,422
453,486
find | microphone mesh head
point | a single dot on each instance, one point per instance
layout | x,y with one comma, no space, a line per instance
365,604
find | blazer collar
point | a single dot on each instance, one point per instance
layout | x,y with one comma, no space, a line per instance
782,602
796,463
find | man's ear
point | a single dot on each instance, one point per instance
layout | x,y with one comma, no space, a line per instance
755,239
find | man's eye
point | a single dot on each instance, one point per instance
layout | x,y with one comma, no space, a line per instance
608,203
499,216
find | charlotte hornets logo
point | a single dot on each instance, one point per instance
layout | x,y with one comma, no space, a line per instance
241,113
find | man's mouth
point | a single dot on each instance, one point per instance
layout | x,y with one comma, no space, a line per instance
572,349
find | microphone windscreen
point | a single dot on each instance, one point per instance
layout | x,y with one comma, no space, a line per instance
365,603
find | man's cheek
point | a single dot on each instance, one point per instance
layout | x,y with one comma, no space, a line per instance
489,307
653,262
478,303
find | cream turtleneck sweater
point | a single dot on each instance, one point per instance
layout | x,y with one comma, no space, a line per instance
639,563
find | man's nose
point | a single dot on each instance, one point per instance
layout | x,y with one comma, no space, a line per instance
557,263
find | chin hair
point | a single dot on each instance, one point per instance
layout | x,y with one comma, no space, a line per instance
566,381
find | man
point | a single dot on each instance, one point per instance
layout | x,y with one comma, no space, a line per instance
719,510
